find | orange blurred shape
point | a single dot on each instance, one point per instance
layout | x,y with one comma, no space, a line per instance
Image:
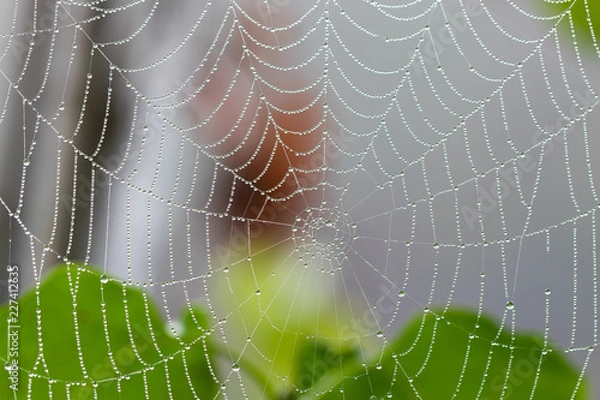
269,142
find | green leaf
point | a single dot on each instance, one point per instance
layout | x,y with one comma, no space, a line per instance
585,17
458,355
281,309
85,336
315,358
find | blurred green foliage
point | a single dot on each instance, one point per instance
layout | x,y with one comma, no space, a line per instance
459,355
84,333
103,334
585,17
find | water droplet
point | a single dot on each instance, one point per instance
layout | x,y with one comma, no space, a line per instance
8,366
379,334
235,367
436,245
257,292
26,162
510,305
104,279
378,366
401,293
548,292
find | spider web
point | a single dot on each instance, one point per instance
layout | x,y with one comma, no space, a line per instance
345,155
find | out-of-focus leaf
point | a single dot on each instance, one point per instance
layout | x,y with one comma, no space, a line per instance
84,336
315,358
458,356
585,16
282,309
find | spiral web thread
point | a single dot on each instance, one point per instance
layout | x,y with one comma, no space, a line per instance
427,153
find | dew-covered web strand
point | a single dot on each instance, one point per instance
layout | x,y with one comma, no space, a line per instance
366,159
